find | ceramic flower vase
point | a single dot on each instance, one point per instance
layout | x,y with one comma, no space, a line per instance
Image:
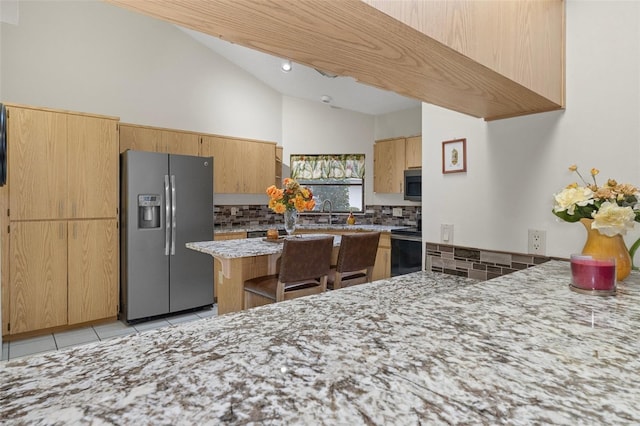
290,221
599,245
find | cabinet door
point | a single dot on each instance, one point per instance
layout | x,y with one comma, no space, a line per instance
4,259
413,152
93,270
182,143
92,152
138,138
258,172
388,165
38,275
227,163
37,163
382,268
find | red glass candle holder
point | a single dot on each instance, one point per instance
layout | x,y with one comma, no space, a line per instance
593,275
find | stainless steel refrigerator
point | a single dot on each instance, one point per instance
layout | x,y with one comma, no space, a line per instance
166,201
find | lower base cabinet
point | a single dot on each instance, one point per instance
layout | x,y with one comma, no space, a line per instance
382,268
62,273
93,270
38,276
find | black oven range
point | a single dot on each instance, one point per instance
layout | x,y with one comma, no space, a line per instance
406,251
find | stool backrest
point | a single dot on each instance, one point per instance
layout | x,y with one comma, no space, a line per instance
357,251
305,258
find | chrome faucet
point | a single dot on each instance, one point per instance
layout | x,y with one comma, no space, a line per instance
330,208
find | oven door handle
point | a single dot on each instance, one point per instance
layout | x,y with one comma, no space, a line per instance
406,238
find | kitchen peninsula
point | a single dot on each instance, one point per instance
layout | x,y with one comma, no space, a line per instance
418,348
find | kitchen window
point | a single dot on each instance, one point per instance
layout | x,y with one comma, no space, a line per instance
338,178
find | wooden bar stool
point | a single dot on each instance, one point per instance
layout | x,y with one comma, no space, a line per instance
304,267
356,258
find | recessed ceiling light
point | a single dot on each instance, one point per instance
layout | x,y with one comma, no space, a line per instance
286,66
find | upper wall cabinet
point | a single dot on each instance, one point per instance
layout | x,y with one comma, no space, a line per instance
413,152
390,159
490,59
143,138
62,165
240,166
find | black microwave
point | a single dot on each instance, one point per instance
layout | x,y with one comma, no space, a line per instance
413,184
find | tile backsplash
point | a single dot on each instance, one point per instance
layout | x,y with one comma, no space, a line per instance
260,215
476,263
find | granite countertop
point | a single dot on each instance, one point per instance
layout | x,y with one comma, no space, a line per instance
248,247
326,226
422,348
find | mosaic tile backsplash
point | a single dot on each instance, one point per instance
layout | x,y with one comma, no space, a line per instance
477,263
259,215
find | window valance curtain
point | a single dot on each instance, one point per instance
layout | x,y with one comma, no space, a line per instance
340,166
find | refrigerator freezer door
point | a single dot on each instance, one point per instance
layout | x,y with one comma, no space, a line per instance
145,267
191,273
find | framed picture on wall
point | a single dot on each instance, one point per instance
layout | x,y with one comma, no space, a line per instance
454,156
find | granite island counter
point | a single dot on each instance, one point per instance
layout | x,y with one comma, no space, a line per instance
242,260
422,348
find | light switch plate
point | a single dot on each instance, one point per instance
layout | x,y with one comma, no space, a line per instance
446,233
397,212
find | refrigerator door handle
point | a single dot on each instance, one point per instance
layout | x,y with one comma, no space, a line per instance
174,222
167,215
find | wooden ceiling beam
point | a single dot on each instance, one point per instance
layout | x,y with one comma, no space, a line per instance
353,38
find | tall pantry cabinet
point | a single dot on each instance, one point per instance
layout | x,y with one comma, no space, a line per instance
62,219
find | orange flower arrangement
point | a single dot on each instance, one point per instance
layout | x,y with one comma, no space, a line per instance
291,196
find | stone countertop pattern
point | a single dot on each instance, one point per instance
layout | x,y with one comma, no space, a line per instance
248,247
312,227
422,348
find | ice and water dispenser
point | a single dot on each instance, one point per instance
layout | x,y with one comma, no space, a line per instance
149,211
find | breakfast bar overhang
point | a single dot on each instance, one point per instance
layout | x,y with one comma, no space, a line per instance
418,348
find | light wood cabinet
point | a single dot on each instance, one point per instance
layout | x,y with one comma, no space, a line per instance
62,217
413,152
37,156
143,138
382,268
61,165
388,165
240,166
92,172
38,271
92,270
391,157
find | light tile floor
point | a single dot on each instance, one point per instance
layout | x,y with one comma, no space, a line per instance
65,339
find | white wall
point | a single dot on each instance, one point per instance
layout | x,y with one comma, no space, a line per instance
95,57
516,165
401,123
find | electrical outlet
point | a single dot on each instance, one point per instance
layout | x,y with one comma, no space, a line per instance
234,211
446,233
537,241
397,212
